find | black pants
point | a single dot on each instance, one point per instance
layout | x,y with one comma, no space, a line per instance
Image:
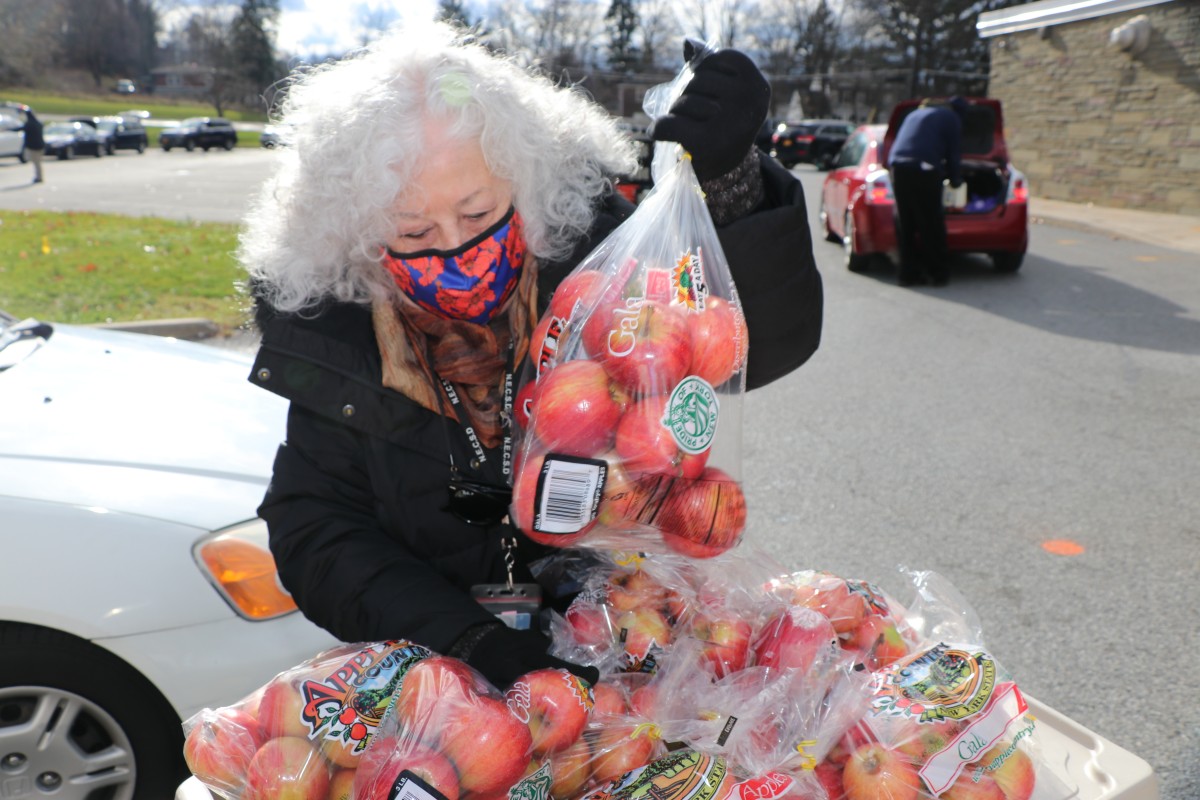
919,213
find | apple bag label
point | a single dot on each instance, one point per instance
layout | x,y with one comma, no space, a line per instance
568,495
1007,705
409,787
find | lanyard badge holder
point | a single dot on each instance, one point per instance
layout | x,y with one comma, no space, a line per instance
514,604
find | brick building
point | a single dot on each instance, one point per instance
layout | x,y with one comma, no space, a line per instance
1102,99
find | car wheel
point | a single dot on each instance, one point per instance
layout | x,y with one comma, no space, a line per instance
141,148
189,145
228,145
855,262
81,733
112,148
166,148
67,153
99,151
830,236
1007,262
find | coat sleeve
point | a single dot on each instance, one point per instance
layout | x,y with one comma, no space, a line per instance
771,260
344,572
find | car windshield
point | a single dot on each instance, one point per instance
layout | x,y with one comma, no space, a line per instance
192,122
65,128
804,130
107,127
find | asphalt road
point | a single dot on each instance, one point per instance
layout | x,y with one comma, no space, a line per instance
959,429
956,430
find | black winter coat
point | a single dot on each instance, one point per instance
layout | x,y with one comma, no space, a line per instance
355,505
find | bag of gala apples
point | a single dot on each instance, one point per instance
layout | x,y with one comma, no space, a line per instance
304,733
448,734
629,408
946,720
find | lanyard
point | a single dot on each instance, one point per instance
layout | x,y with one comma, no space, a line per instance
506,446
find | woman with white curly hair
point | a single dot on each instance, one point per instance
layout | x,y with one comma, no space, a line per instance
430,198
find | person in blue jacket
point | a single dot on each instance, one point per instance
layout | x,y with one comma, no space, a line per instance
927,151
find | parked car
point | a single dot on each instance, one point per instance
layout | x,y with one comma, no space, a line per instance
69,139
104,133
858,207
202,132
128,133
272,136
12,135
810,141
138,588
135,113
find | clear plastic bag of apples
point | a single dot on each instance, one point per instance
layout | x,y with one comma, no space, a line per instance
628,408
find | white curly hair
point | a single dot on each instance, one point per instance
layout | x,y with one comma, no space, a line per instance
354,132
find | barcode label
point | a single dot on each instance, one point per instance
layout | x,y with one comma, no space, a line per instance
409,787
568,493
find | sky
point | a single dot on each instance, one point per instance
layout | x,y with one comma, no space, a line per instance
332,26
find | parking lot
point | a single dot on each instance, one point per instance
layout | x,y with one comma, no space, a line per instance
180,185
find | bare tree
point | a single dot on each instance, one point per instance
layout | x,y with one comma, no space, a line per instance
32,40
558,35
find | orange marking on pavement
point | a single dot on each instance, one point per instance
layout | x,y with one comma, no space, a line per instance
1146,258
1068,241
1062,547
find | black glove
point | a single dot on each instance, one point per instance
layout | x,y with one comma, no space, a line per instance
719,113
502,655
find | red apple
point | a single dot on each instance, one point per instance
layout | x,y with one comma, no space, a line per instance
554,704
589,625
523,405
644,344
341,785
833,597
608,701
878,641
619,749
431,690
583,287
386,758
526,511
719,339
725,638
1014,775
793,638
875,771
287,768
922,740
646,445
969,786
704,517
642,630
220,746
830,777
576,408
281,709
643,701
570,769
487,744
628,590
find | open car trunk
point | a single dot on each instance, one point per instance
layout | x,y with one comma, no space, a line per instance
987,185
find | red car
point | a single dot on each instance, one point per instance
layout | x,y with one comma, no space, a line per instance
857,205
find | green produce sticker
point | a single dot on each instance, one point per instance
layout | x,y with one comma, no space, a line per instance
691,414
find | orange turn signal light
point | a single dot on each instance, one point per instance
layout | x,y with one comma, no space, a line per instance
240,566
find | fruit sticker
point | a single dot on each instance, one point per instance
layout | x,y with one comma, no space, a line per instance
348,703
940,683
691,414
687,278
682,775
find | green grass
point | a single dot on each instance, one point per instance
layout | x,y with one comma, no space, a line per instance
102,105
82,268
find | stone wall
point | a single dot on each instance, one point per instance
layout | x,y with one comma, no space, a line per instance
1089,123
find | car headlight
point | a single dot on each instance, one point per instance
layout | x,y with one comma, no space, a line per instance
238,563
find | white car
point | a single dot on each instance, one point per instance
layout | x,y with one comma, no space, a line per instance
135,585
12,133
